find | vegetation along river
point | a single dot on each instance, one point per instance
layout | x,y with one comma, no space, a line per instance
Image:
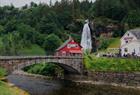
37,86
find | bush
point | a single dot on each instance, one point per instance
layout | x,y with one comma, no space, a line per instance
112,64
44,69
51,43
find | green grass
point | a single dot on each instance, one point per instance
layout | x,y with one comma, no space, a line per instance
114,43
2,72
112,64
107,43
33,50
5,89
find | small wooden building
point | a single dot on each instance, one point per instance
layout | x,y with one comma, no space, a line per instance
69,48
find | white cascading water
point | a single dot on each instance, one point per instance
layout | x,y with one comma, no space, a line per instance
86,42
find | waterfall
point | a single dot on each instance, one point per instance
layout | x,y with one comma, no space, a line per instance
86,42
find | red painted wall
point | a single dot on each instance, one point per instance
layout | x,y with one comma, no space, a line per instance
71,47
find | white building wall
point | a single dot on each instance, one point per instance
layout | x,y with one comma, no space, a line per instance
130,43
128,36
131,47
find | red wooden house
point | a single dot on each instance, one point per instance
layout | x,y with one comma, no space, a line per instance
69,48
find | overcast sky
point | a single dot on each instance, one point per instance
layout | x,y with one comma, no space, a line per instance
19,3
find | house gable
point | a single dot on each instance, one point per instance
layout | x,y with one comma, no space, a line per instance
128,38
70,46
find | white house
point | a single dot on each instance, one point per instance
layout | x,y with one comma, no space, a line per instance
130,43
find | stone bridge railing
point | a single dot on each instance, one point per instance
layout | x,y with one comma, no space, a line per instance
72,64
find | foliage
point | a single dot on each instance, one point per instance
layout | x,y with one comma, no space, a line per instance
1,29
27,33
5,89
133,19
113,9
112,64
32,50
47,69
104,43
52,42
11,44
32,24
2,72
115,43
109,43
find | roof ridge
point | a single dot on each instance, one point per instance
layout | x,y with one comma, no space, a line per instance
65,43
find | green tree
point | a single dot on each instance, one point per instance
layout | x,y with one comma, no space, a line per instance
133,19
11,44
1,29
51,43
10,26
27,33
113,9
46,27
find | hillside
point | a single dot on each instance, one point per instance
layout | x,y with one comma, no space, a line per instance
40,29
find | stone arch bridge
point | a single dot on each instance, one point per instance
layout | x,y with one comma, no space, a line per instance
70,64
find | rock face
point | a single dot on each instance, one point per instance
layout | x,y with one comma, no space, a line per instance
129,79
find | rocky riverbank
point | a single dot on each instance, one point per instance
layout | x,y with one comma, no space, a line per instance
37,86
122,79
22,73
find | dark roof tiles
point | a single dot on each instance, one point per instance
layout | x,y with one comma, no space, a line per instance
136,32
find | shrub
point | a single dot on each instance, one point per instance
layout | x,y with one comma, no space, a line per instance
44,69
112,64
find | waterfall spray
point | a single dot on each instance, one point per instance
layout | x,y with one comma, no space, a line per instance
86,41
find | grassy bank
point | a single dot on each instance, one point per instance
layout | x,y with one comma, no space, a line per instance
33,50
6,89
2,72
112,64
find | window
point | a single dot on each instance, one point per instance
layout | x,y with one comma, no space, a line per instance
128,34
72,46
126,50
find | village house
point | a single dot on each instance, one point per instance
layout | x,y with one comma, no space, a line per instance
130,43
69,48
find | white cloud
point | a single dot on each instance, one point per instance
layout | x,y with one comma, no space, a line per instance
19,3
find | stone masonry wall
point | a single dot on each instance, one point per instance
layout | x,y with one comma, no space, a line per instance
129,79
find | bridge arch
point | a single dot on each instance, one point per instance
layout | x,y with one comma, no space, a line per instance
67,69
70,64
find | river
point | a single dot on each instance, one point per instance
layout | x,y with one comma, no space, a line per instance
37,86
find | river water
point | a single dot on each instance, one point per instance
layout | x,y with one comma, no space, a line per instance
37,86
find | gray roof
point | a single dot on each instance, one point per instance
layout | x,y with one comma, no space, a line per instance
136,32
